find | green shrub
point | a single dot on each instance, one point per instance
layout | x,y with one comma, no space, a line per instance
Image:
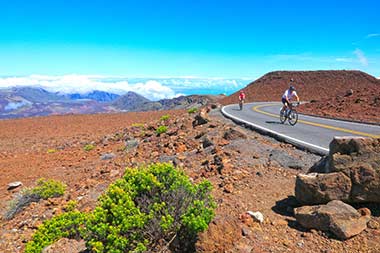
69,225
161,130
165,117
147,207
45,189
88,147
192,110
146,210
138,125
48,188
71,206
51,151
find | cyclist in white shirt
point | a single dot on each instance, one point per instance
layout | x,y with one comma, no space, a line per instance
288,96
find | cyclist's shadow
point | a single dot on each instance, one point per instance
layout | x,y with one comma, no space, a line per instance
274,122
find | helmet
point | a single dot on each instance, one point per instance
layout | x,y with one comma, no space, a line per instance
292,88
291,79
241,91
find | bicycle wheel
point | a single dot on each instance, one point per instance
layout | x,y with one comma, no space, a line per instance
282,116
293,117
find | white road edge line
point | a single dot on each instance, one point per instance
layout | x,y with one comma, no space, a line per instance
325,150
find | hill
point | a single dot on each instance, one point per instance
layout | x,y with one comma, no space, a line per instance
310,85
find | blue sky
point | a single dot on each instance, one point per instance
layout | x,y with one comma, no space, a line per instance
203,38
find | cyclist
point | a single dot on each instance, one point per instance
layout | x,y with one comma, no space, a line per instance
241,99
288,96
241,96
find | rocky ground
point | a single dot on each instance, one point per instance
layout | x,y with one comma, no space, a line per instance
357,105
249,172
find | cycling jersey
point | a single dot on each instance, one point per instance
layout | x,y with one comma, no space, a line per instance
241,96
289,94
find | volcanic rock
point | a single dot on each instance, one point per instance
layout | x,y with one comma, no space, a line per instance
199,120
337,217
351,173
14,185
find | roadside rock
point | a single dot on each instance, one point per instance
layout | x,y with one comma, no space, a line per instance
65,245
206,142
351,173
337,217
257,216
108,156
14,185
317,188
232,134
199,120
285,160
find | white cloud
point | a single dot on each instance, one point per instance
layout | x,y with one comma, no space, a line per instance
151,88
344,59
372,35
361,57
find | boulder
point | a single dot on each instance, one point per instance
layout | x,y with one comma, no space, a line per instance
66,245
351,173
317,188
232,134
199,120
341,219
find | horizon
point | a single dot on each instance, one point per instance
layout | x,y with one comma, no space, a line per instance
154,40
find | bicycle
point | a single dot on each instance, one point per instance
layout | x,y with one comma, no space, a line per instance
241,102
289,114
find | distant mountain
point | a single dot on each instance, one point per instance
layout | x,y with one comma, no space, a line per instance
134,102
131,101
186,102
100,96
33,101
19,102
36,94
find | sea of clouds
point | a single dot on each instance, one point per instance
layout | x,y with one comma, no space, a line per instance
151,88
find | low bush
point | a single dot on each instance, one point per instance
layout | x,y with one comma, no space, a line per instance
165,117
138,125
48,188
161,130
88,147
192,110
149,209
69,225
51,151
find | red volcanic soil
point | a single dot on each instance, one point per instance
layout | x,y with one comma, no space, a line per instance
363,105
327,89
248,172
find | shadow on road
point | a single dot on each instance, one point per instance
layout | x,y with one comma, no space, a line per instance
236,109
274,122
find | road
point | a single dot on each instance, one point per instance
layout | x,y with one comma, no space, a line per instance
311,133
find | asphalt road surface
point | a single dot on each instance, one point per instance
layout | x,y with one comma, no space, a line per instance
311,133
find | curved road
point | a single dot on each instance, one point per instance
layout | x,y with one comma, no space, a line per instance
311,133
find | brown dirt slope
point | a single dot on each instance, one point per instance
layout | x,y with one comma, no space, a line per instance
326,89
248,172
